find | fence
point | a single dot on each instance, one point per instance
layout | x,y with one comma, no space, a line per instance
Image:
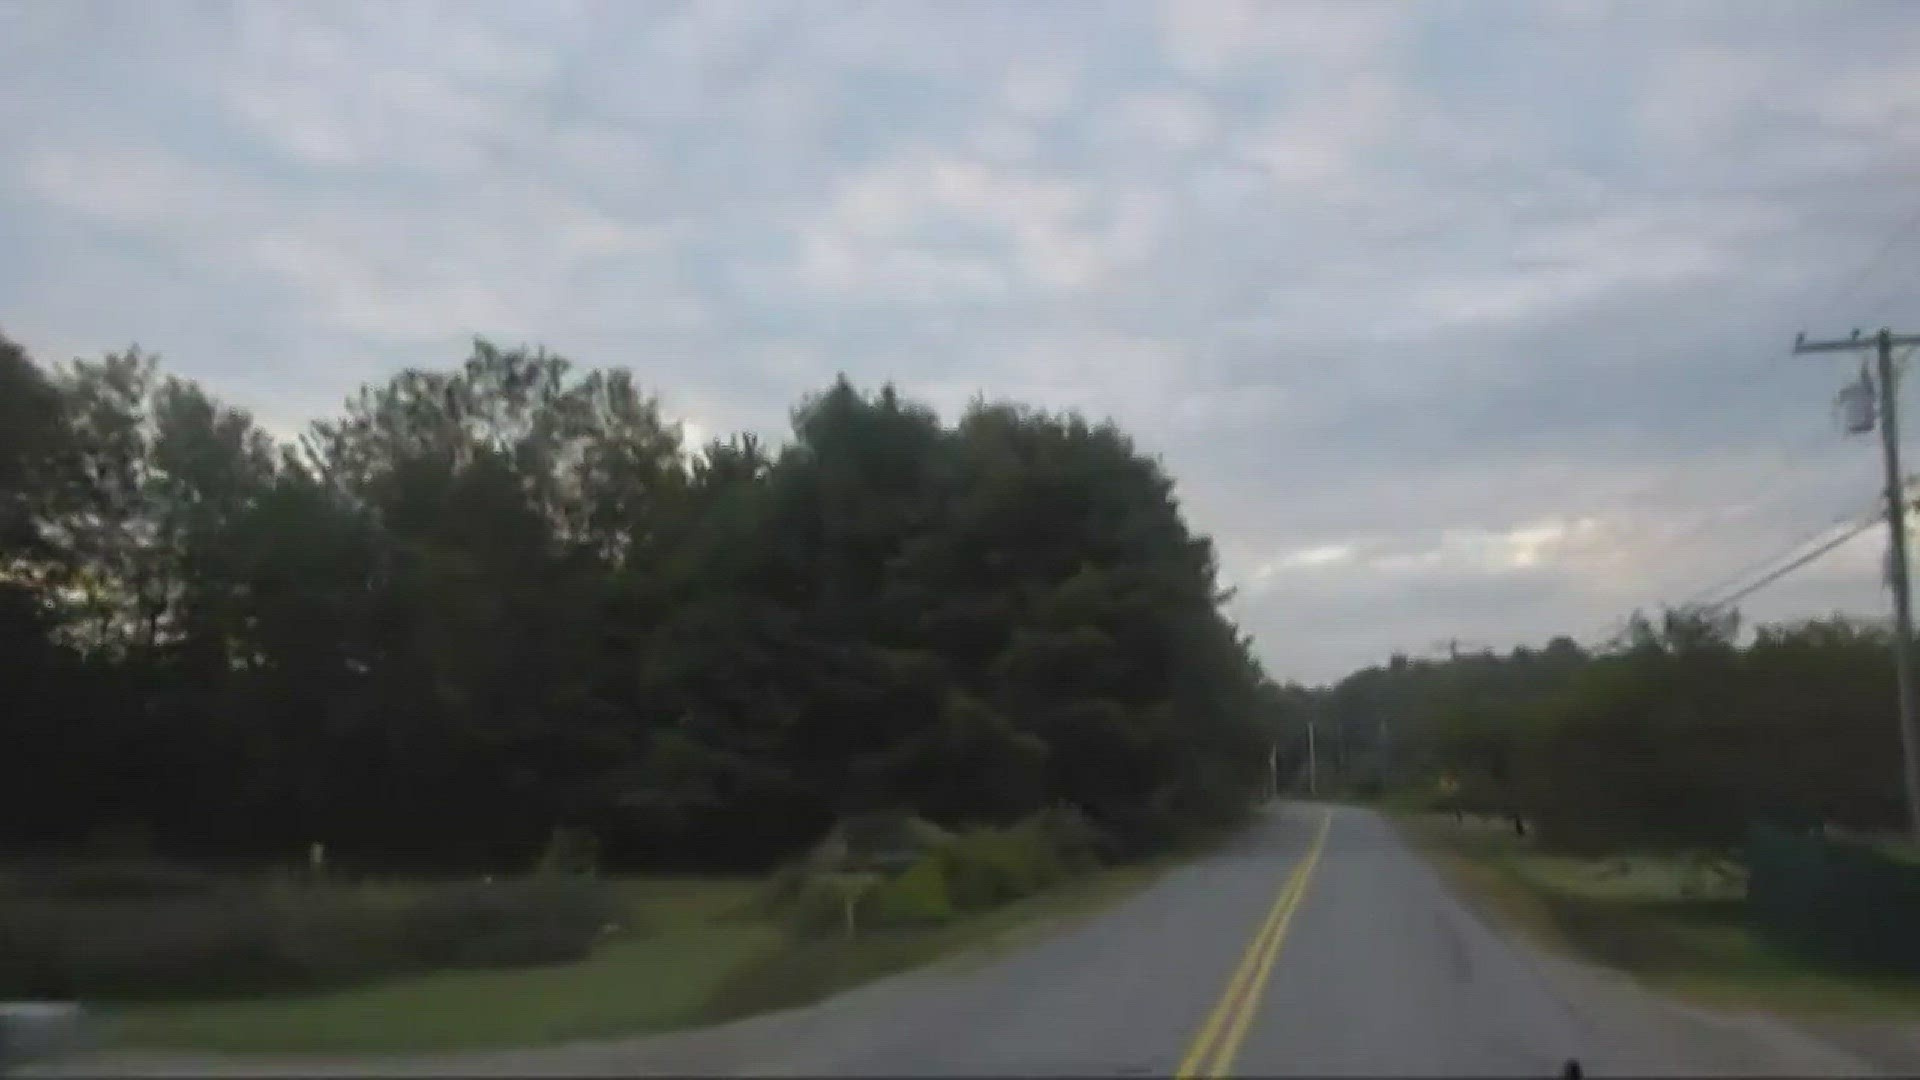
1839,901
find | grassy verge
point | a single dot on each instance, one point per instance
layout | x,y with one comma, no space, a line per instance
690,935
700,955
1668,926
810,967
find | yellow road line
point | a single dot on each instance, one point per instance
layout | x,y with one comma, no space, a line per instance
1250,1003
1250,976
1190,1065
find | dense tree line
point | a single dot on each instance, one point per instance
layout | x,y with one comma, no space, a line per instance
1678,735
488,602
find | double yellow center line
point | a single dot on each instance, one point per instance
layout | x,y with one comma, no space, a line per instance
1219,1040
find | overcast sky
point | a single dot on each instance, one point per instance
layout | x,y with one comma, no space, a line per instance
1452,320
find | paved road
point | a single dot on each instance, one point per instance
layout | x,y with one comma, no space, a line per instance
1314,943
1377,971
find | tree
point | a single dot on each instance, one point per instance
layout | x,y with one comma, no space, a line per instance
491,604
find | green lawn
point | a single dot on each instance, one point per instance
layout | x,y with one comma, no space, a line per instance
1672,927
689,936
698,953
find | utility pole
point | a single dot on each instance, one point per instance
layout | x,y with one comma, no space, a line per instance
1386,753
1313,762
1889,417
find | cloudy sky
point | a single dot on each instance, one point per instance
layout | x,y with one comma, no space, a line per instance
1453,320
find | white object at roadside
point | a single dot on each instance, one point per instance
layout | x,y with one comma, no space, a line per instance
38,1029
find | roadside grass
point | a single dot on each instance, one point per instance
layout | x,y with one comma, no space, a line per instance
812,966
1666,924
701,950
689,934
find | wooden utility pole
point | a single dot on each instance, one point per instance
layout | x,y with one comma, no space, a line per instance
1313,761
1889,419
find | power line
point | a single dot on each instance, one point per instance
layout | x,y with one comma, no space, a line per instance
1761,495
1884,305
1857,528
1771,486
1879,256
1699,596
1700,527
1848,285
1856,524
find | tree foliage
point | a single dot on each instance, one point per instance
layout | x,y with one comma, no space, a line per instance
492,602
1678,736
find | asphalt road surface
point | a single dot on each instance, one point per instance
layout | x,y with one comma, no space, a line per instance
1314,943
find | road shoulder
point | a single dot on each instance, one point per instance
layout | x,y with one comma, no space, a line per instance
1648,1031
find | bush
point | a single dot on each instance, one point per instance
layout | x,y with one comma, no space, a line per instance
111,881
781,888
1842,902
992,866
546,919
121,948
971,868
877,840
1143,832
976,870
569,851
917,897
331,936
1077,842
257,936
818,900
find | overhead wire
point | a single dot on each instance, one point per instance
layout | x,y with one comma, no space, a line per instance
1882,306
1704,595
1701,526
1797,563
1849,285
1899,233
1871,517
1762,495
1852,525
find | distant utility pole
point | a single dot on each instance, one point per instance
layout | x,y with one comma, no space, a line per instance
1386,751
1889,417
1313,762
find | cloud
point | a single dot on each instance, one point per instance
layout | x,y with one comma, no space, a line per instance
397,277
1449,320
1177,119
932,225
1214,38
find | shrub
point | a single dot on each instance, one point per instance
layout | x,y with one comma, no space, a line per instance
978,869
548,919
877,840
819,900
264,935
973,881
569,851
917,897
334,936
991,866
1142,832
119,948
1077,842
112,881
781,888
